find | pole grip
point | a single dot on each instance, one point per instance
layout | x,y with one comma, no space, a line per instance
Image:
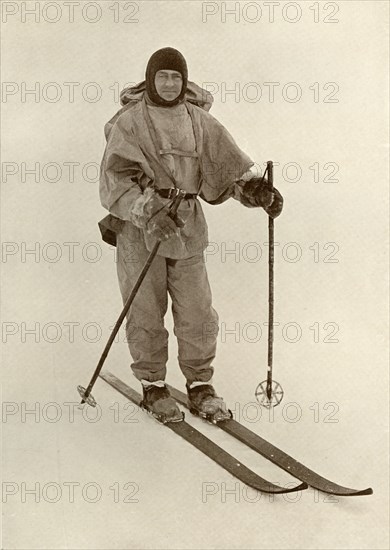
176,203
270,170
175,207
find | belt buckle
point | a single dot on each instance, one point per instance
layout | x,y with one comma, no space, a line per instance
173,193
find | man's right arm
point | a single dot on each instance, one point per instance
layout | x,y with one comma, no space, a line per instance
122,173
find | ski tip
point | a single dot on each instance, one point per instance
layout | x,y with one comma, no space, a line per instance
344,492
368,491
302,487
279,490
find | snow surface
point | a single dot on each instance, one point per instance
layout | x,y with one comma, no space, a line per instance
152,489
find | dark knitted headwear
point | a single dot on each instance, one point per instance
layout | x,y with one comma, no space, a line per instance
169,59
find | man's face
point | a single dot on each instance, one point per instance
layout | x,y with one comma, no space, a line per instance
168,84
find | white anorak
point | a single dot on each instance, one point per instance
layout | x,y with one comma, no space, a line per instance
164,147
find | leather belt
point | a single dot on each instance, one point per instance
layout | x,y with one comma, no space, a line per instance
173,192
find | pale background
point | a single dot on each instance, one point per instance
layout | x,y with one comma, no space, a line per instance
349,377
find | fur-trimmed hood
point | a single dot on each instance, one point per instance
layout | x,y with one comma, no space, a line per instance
194,94
132,95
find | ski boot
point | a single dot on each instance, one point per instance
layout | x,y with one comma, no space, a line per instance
204,402
158,401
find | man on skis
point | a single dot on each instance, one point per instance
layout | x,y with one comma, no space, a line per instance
164,140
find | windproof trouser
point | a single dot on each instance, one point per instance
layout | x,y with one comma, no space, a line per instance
195,320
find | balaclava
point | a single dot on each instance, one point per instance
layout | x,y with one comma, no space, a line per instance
169,59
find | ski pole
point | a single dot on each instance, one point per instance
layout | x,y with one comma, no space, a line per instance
85,394
269,393
271,248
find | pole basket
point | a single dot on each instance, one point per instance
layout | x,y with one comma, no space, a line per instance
261,394
90,400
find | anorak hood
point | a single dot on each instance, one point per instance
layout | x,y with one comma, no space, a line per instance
165,59
193,94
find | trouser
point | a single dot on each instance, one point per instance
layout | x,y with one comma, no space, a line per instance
195,320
